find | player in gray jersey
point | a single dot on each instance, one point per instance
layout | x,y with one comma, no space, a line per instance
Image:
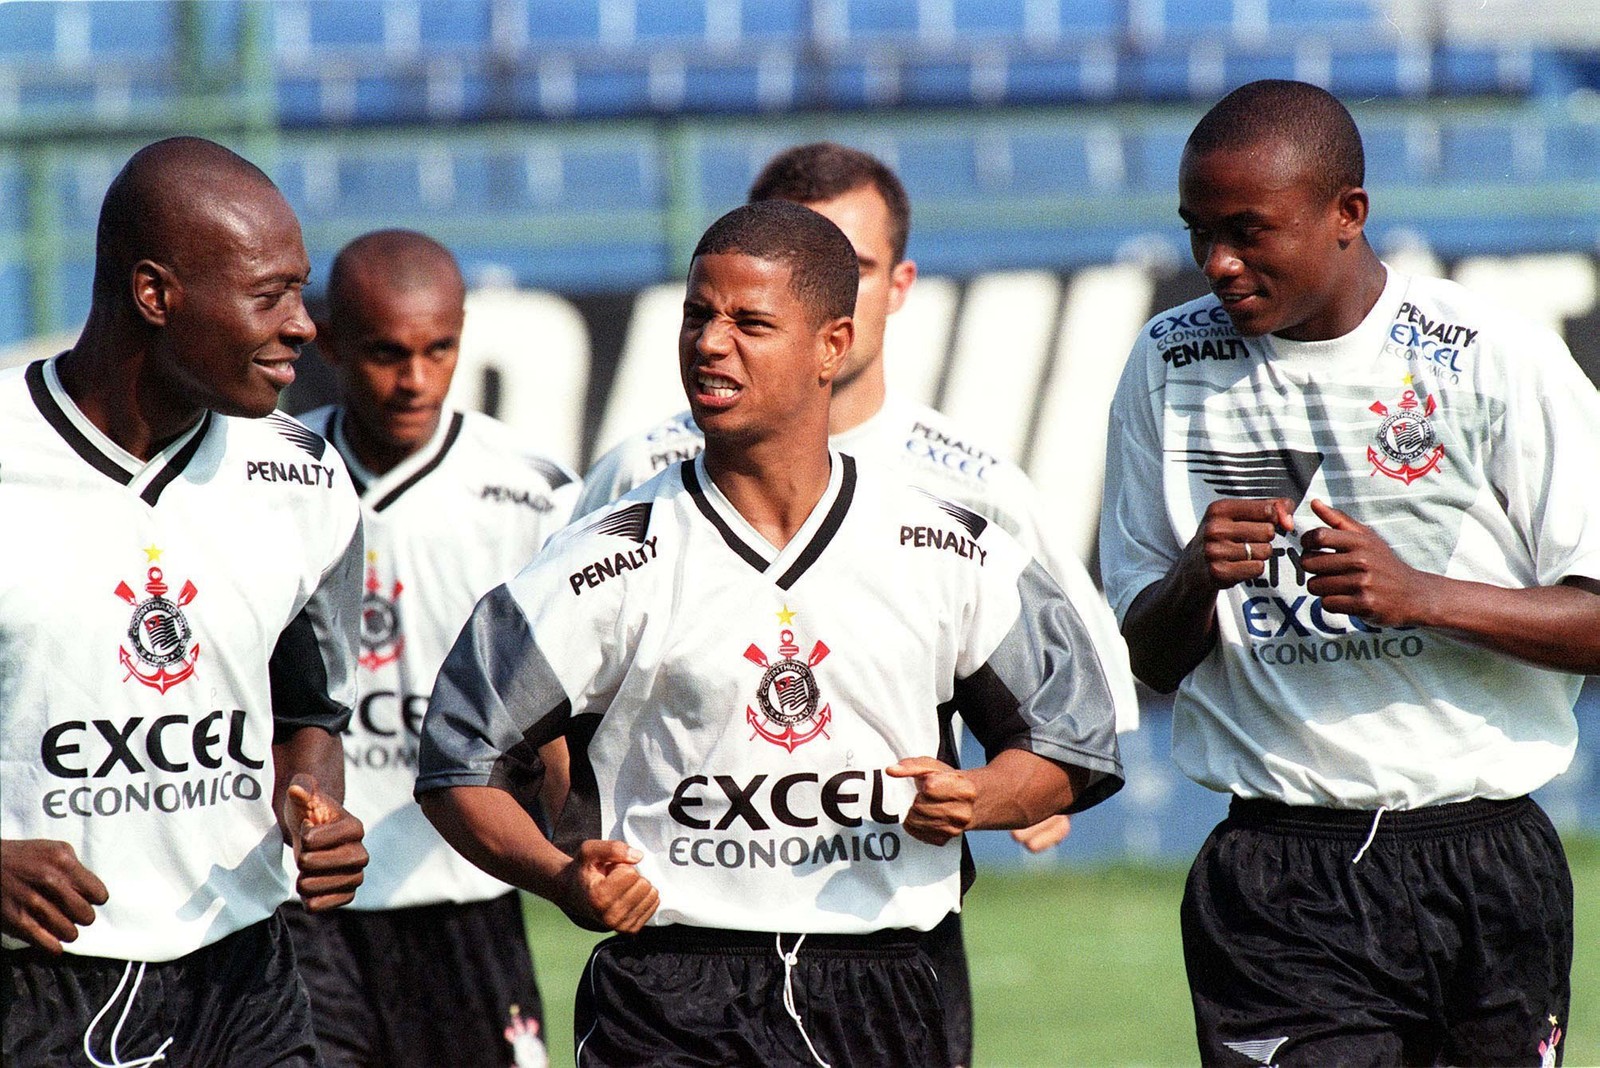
429,966
1351,518
866,200
177,641
753,658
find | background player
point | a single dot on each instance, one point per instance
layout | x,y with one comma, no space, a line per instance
855,612
866,200
163,539
430,963
1376,586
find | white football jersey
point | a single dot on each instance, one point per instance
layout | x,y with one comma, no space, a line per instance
459,516
159,622
730,707
1465,436
930,450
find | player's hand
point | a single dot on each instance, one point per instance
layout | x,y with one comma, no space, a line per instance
46,893
603,884
946,799
327,845
1047,833
1234,541
1355,572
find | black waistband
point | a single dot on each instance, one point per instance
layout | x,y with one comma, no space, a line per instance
1357,823
683,938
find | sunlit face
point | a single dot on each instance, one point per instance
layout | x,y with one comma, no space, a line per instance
1269,238
234,316
395,351
753,362
864,217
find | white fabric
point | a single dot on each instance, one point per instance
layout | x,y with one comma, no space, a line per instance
1462,434
162,783
459,516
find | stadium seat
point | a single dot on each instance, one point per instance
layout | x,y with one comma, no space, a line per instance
659,22
611,177
28,31
561,22
775,19
464,26
1005,19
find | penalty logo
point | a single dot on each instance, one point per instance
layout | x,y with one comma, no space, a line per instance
1405,447
381,640
159,633
788,695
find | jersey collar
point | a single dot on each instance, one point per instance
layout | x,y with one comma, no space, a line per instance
147,479
804,549
380,491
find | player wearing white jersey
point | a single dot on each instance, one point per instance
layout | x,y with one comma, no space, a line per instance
1351,518
753,657
177,640
429,966
866,200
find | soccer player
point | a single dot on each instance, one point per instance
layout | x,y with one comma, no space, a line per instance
752,657
177,640
429,966
866,200
1352,519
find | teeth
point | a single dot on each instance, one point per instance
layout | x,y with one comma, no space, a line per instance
717,387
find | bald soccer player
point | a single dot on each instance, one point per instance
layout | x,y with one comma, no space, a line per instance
178,620
429,966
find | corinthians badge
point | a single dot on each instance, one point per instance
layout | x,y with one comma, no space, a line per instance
1405,446
788,694
158,632
381,640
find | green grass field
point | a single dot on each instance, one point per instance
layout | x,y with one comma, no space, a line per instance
1082,967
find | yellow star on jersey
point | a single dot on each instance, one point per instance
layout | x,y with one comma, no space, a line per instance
786,617
372,556
151,553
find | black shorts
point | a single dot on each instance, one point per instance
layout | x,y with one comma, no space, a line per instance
236,1001
1449,942
680,996
947,952
430,986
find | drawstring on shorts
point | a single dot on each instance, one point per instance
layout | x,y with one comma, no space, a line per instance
1376,816
790,959
116,1060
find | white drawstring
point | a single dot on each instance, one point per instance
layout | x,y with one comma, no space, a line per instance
116,1060
790,959
1370,835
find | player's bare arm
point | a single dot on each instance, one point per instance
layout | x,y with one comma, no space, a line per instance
557,778
1172,625
1355,572
46,893
308,794
600,884
1015,789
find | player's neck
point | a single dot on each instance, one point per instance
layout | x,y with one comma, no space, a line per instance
773,485
856,401
108,387
376,455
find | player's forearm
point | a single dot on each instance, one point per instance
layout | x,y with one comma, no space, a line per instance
1551,626
311,751
1018,789
1170,627
488,827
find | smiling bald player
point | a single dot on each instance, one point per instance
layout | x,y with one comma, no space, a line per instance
177,641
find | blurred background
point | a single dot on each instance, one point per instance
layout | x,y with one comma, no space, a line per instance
572,151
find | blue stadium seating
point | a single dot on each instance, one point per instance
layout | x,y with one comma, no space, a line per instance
13,300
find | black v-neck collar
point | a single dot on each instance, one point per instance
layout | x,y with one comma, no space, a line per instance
54,410
431,456
755,557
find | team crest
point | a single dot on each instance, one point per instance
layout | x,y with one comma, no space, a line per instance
381,639
788,695
1405,447
160,636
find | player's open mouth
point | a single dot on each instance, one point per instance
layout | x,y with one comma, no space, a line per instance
715,386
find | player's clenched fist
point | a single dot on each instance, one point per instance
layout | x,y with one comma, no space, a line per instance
327,845
1355,572
946,799
46,893
603,884
1234,541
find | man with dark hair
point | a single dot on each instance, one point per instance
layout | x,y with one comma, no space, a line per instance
429,966
180,608
752,657
1351,518
865,199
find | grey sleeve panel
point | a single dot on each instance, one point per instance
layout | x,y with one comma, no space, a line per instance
1043,689
312,667
496,700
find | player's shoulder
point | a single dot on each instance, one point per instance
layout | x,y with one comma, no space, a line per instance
485,439
1197,332
613,545
1445,320
922,516
320,419
642,455
952,460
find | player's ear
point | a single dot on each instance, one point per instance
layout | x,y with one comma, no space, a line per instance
834,339
901,275
155,291
1352,207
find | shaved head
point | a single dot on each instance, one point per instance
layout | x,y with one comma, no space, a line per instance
1298,115
167,204
393,261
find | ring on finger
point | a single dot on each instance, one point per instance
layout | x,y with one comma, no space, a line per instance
1248,555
